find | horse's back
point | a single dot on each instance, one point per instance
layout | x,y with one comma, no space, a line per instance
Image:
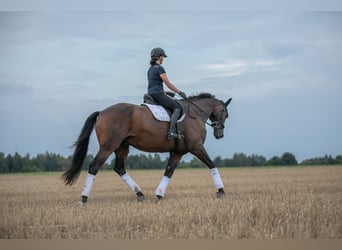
125,109
122,114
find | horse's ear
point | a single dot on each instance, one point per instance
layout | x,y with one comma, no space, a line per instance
227,102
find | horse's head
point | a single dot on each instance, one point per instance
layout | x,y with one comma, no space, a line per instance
218,117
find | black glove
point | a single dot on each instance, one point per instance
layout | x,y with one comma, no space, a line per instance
183,95
169,93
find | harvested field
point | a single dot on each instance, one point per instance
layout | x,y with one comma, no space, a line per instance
270,203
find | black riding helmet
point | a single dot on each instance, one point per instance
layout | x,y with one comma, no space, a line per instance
157,52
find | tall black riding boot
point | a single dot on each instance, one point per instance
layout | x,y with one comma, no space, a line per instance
172,134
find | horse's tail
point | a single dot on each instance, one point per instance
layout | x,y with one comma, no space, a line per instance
72,173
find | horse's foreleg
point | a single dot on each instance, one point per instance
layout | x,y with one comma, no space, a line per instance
94,167
202,154
171,166
121,157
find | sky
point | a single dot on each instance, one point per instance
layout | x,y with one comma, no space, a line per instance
282,69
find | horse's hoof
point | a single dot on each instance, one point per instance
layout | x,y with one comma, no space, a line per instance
159,197
141,198
220,194
83,201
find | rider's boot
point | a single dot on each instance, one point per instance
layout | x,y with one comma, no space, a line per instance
173,134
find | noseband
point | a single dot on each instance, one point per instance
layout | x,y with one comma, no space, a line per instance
217,124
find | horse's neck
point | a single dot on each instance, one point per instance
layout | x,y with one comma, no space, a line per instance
203,108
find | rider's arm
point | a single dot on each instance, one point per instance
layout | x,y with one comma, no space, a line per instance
168,83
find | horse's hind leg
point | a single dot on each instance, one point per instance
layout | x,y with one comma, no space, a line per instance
121,157
94,167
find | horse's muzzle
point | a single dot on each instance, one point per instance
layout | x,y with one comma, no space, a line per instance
218,133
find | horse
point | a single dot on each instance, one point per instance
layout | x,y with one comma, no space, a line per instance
123,125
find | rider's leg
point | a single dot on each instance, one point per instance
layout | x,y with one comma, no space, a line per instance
176,108
173,133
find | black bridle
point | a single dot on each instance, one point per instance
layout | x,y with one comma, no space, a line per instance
219,124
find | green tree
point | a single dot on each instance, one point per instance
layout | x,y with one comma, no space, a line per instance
240,160
218,161
328,160
10,164
288,159
155,162
49,162
18,163
274,161
3,164
196,163
325,160
228,162
89,158
338,159
256,160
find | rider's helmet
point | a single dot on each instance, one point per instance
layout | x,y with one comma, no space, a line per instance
157,52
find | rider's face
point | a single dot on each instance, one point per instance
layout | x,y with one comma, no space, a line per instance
161,59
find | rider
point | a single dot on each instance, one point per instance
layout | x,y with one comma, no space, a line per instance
156,76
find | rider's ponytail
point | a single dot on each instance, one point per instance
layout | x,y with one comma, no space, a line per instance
153,60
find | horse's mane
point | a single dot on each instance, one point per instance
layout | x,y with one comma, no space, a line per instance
201,96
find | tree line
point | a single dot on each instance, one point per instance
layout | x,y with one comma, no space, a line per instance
55,162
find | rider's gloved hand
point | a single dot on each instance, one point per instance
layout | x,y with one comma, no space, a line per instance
182,94
169,93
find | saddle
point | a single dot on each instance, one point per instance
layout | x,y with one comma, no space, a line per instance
159,112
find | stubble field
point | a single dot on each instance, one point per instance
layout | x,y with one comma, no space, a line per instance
286,203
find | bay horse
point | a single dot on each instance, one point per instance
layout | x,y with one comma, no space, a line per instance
123,125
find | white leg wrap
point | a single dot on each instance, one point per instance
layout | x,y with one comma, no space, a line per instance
88,185
162,186
216,178
131,183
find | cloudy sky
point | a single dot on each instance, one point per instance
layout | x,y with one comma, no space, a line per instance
283,71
